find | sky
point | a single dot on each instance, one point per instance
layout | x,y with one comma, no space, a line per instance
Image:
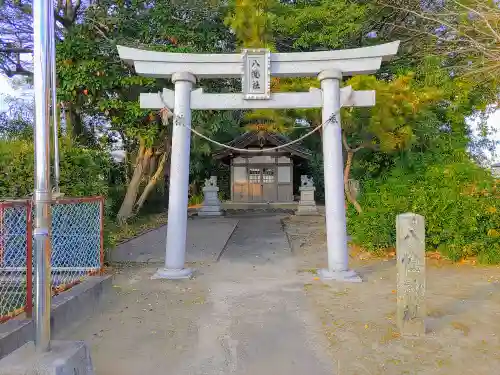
4,85
4,89
494,120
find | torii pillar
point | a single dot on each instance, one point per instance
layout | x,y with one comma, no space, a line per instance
255,67
179,180
333,169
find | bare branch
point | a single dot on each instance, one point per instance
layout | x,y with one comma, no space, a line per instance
344,141
15,50
480,14
467,31
439,21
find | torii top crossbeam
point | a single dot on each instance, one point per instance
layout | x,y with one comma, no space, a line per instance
255,67
365,60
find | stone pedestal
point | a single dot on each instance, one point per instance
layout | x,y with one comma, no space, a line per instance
64,358
307,204
211,203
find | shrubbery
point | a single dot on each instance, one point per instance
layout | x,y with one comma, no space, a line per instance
84,172
459,200
16,168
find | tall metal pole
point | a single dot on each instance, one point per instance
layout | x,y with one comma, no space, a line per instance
53,73
42,196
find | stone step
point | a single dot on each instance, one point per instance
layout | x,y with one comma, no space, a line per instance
258,211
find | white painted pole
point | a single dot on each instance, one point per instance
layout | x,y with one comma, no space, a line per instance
333,167
42,196
175,256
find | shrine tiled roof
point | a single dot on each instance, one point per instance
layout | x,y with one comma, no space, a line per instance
256,138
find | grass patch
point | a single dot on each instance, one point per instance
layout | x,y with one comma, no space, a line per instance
312,271
116,234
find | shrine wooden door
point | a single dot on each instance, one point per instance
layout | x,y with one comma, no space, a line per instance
262,184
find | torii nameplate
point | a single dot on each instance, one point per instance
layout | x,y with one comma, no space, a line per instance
256,74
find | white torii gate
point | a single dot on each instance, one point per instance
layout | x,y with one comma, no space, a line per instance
255,67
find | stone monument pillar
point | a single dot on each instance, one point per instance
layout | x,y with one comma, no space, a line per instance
307,204
211,202
410,251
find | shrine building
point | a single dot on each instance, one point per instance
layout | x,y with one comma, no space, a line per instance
263,176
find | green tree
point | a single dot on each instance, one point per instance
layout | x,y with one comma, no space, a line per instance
16,45
388,126
434,176
404,106
93,78
319,25
251,21
293,26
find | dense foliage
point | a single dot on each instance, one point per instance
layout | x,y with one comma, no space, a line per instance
459,200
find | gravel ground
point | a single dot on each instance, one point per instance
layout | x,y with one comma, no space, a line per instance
262,310
463,305
246,314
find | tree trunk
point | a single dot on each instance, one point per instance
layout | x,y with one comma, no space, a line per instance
75,126
127,169
152,166
127,155
76,130
194,188
68,131
128,203
151,183
166,188
347,170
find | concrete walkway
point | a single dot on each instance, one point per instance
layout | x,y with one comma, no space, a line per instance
205,240
246,314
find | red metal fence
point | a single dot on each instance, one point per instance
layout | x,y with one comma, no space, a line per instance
76,249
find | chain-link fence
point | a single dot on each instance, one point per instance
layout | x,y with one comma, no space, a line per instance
15,253
76,249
